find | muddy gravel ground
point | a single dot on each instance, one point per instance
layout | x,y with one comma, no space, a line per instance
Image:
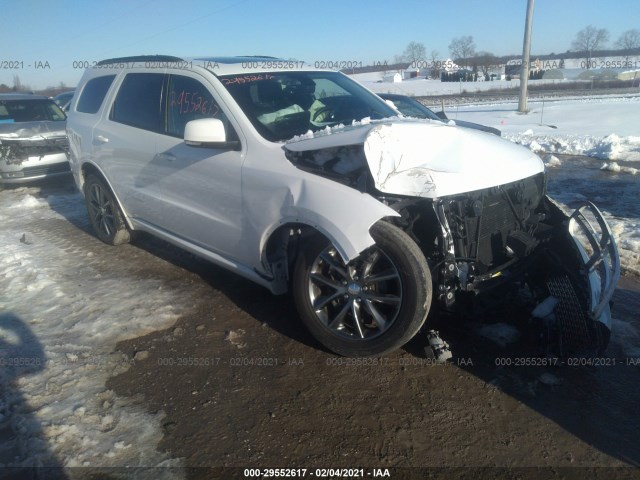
242,385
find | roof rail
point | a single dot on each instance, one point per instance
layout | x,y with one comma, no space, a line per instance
141,58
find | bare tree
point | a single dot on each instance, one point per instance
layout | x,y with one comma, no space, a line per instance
628,41
462,48
436,65
486,61
414,52
589,39
17,84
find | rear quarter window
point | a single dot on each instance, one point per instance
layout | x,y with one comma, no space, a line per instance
138,102
93,94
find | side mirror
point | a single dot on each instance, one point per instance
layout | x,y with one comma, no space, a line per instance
208,133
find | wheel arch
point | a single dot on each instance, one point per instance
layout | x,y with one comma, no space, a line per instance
281,246
282,243
92,169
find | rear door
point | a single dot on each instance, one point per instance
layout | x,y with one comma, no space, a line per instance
83,117
125,141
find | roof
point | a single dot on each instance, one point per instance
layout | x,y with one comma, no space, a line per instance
21,96
218,65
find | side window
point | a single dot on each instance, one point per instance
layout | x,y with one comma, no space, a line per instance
93,94
188,99
138,102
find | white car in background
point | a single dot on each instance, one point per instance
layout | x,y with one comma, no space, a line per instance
63,99
301,179
33,139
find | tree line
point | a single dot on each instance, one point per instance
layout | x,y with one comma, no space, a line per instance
588,43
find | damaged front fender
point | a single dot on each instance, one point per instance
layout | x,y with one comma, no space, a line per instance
340,213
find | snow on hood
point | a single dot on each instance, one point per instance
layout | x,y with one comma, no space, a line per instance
431,159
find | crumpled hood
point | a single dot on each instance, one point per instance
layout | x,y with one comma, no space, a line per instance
430,159
26,130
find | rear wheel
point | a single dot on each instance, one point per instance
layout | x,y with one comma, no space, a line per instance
105,215
374,304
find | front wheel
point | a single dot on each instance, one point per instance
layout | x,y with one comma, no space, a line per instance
374,304
105,215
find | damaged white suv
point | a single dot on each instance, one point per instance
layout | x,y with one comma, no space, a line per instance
301,179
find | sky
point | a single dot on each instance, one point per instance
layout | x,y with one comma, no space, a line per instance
46,43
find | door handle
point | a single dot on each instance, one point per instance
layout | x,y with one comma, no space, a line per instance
100,139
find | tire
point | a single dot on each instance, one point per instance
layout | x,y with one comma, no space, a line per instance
105,215
371,306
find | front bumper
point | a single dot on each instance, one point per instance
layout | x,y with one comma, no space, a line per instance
27,160
567,263
577,275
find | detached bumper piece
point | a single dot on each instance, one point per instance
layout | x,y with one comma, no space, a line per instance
577,333
600,256
576,315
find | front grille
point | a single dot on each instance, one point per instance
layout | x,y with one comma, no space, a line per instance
497,216
482,221
46,169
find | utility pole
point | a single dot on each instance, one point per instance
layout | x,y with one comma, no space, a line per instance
526,50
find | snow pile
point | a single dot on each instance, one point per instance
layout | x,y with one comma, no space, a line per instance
614,167
603,127
61,314
551,161
611,147
626,231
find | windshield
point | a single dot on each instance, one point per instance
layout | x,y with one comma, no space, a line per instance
16,111
284,104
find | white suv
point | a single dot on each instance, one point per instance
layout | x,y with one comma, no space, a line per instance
299,178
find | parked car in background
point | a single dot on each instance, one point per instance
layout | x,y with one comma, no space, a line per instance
301,179
63,99
410,107
33,139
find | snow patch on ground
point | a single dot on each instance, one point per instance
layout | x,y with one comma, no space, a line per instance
626,231
60,319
